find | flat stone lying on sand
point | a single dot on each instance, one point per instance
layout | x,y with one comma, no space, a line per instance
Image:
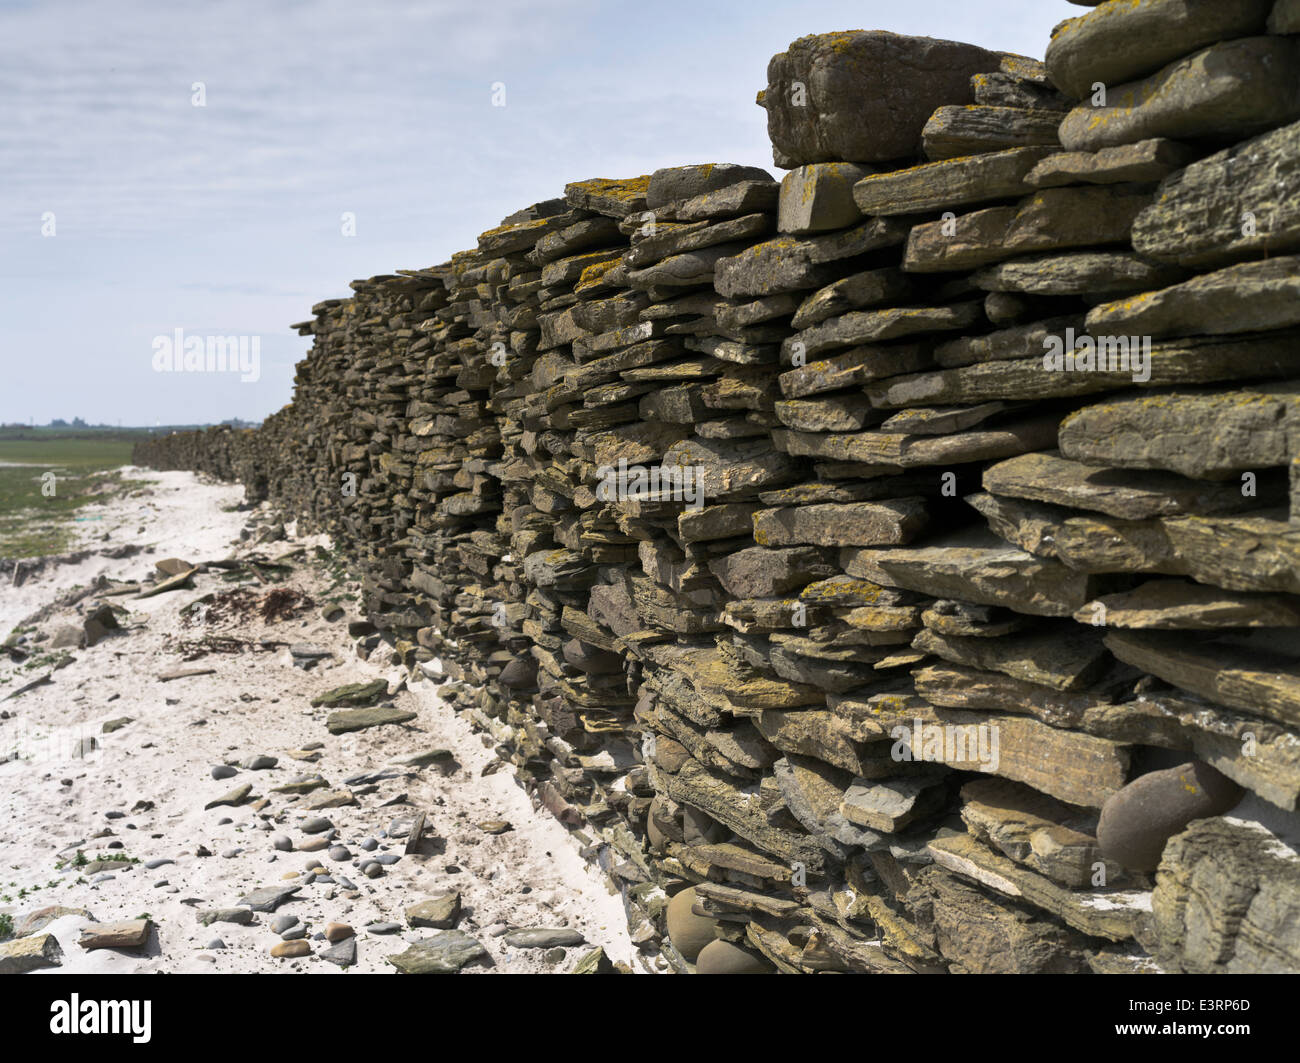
235,797
444,953
353,694
542,939
128,934
359,719
268,898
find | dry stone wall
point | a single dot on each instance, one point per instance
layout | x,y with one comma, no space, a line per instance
891,568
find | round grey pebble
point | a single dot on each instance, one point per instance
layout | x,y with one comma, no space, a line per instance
158,862
340,852
224,820
324,878
216,943
223,771
313,863
205,958
369,845
373,871
384,928
388,858
229,854
105,877
281,923
346,883
316,825
294,933
282,842
161,883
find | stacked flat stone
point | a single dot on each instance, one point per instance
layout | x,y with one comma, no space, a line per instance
909,523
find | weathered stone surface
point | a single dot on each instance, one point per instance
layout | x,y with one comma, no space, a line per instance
853,524
1249,297
353,694
949,183
787,264
348,720
440,912
983,935
1285,17
1225,900
894,449
1137,822
1172,363
891,804
1147,160
128,934
723,957
1128,493
977,567
1111,914
852,293
1181,605
1231,89
856,366
878,326
863,96
1055,218
818,197
1064,657
1035,830
31,953
1239,203
955,132
1120,42
1210,435
1260,681
686,182
444,953
1077,273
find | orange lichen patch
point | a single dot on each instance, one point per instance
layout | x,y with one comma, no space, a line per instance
594,275
615,188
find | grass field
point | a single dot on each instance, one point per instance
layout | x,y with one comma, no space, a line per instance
45,481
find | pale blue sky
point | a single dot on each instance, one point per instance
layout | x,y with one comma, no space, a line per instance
226,218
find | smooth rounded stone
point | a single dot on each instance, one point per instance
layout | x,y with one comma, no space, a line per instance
258,763
283,843
316,825
326,879
388,858
346,883
106,877
203,957
311,864
553,956
215,943
223,771
290,949
281,923
519,673
1139,820
224,821
338,931
368,845
340,852
542,938
158,862
294,933
689,932
314,845
161,883
230,854
373,870
722,957
383,928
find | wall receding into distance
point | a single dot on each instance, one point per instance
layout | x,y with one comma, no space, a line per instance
895,567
